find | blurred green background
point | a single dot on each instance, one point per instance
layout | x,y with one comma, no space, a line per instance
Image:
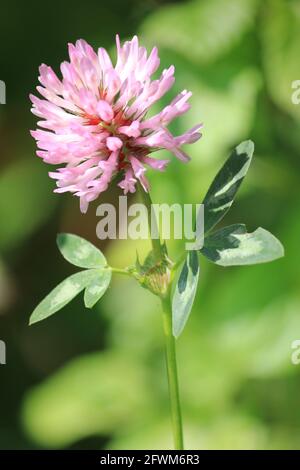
96,379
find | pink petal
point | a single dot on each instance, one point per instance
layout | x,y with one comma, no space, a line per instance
131,131
139,170
114,143
129,182
105,111
156,164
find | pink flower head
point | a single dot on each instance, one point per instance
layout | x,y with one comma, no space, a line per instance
94,119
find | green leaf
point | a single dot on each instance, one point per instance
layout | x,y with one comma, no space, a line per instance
21,216
84,398
195,27
233,246
222,191
62,294
97,288
185,292
79,251
280,45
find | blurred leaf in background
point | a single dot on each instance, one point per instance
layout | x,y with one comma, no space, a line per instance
25,201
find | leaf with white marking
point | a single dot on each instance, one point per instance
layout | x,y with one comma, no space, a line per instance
185,292
222,191
233,246
97,288
79,251
62,294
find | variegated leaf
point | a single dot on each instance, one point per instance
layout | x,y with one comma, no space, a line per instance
185,292
222,191
232,246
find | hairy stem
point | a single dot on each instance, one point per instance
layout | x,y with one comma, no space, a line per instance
172,375
169,339
156,246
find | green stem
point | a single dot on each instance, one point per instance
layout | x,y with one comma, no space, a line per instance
156,246
169,340
172,375
120,271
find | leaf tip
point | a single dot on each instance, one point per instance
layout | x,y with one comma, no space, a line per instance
32,320
60,237
88,306
87,303
176,332
247,146
280,251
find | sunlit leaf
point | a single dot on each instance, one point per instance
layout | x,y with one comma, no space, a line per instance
232,246
203,30
185,292
79,251
222,191
95,394
97,288
26,201
62,294
280,39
